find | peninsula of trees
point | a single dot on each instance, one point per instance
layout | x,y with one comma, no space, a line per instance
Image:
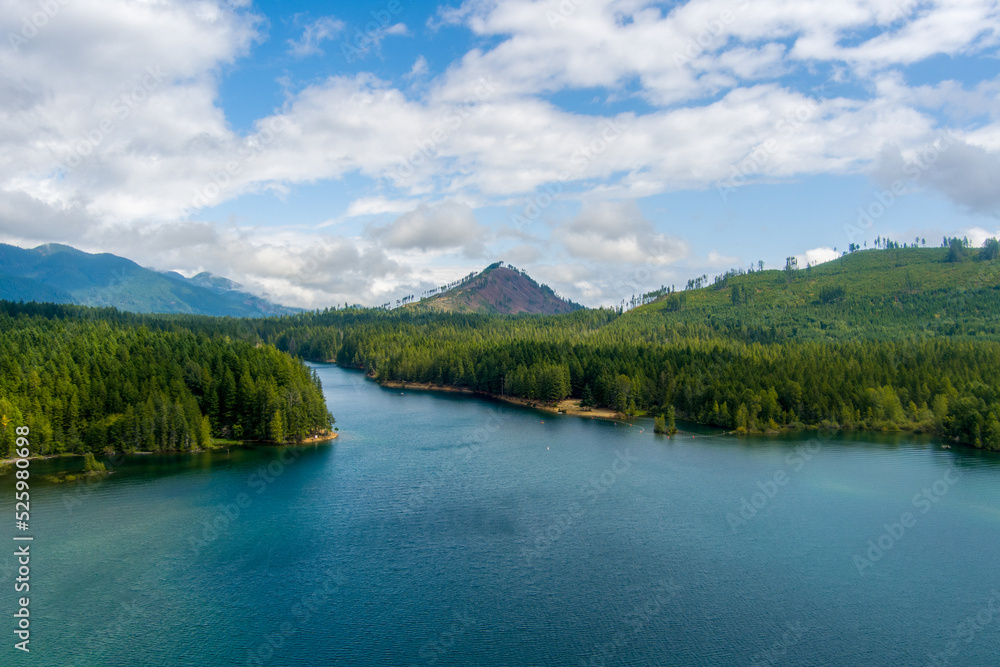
88,380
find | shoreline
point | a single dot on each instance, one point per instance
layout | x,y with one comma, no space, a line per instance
327,436
570,406
943,442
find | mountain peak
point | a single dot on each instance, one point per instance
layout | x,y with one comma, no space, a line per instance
53,248
498,288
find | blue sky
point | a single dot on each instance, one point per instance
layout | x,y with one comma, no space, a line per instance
328,152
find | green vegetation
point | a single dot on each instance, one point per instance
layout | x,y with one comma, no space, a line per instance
91,464
86,380
900,338
894,338
666,425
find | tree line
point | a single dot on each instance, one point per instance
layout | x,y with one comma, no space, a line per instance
88,380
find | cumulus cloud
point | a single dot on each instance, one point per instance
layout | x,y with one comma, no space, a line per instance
447,225
309,271
420,67
480,130
685,53
376,205
969,176
717,260
294,268
617,232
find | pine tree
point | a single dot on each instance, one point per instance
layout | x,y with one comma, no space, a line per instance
277,428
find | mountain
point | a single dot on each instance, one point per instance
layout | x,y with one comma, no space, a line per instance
61,274
498,289
902,338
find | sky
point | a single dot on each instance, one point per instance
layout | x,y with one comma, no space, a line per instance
323,153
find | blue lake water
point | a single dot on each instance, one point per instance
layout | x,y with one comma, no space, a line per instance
451,531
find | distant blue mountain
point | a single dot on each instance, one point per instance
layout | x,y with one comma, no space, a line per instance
60,274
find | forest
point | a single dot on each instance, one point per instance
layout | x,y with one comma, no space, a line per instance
898,338
936,384
89,380
894,338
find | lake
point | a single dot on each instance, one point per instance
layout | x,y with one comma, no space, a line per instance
448,530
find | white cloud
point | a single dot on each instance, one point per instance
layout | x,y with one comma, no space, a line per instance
419,68
446,225
977,236
969,176
816,256
314,34
681,54
617,232
479,132
376,205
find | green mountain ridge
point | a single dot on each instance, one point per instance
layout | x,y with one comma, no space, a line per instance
871,293
61,274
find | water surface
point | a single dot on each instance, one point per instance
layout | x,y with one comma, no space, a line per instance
447,530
